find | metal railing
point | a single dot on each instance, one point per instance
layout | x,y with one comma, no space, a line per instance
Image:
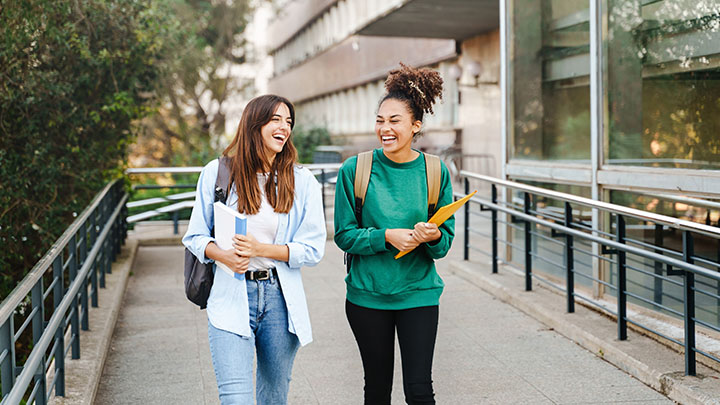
176,203
570,233
53,300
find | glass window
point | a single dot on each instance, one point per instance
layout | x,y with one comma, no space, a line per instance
550,76
663,72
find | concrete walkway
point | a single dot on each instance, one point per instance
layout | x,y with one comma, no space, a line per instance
487,351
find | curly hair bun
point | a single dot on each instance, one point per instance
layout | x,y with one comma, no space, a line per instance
422,85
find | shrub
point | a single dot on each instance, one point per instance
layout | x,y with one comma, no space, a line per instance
306,140
74,77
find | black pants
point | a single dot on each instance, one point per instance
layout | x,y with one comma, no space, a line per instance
374,332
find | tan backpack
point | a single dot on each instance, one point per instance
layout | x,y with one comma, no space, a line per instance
362,179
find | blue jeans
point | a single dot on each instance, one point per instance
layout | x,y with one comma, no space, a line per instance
232,355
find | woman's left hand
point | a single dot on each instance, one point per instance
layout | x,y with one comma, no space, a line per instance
246,245
426,232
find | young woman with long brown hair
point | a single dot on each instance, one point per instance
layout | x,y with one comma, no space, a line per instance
261,307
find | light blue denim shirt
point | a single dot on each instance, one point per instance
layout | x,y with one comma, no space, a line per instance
302,230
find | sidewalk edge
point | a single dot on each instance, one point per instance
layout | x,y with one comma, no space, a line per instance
664,383
82,376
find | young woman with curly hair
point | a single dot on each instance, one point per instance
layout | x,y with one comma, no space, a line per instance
385,295
260,307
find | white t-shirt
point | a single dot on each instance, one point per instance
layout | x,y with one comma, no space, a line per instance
263,226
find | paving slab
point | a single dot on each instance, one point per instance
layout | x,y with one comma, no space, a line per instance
487,352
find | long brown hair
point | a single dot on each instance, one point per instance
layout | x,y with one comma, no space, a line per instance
248,157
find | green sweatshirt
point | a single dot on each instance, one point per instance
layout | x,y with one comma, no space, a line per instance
396,198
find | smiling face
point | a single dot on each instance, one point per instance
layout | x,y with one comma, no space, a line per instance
395,128
276,132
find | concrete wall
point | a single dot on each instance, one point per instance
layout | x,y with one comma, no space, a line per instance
356,61
479,114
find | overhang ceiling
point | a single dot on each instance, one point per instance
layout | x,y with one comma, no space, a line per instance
451,19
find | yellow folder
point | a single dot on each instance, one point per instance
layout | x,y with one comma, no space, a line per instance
441,215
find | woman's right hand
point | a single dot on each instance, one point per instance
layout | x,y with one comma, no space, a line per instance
401,239
235,262
229,258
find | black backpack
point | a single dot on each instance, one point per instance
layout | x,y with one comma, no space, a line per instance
199,276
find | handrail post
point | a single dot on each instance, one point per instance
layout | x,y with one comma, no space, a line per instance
528,240
84,324
112,235
622,281
36,301
112,238
116,234
7,367
466,230
689,299
658,266
108,255
41,381
113,243
176,219
83,246
84,319
569,261
494,228
93,225
116,228
94,268
75,317
109,248
59,355
104,257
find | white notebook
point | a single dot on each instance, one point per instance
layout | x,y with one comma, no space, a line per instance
228,223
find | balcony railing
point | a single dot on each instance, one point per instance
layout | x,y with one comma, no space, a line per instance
645,272
53,300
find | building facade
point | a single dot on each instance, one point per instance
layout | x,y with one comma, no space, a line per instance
618,101
614,100
613,95
332,57
605,95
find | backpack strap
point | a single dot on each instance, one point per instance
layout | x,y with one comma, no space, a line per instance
362,179
363,167
433,172
222,182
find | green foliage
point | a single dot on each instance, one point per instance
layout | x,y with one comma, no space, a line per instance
306,140
73,77
204,44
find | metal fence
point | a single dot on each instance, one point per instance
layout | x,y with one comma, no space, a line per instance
639,269
175,204
53,300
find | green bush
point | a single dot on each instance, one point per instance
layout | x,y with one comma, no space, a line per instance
306,140
74,77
